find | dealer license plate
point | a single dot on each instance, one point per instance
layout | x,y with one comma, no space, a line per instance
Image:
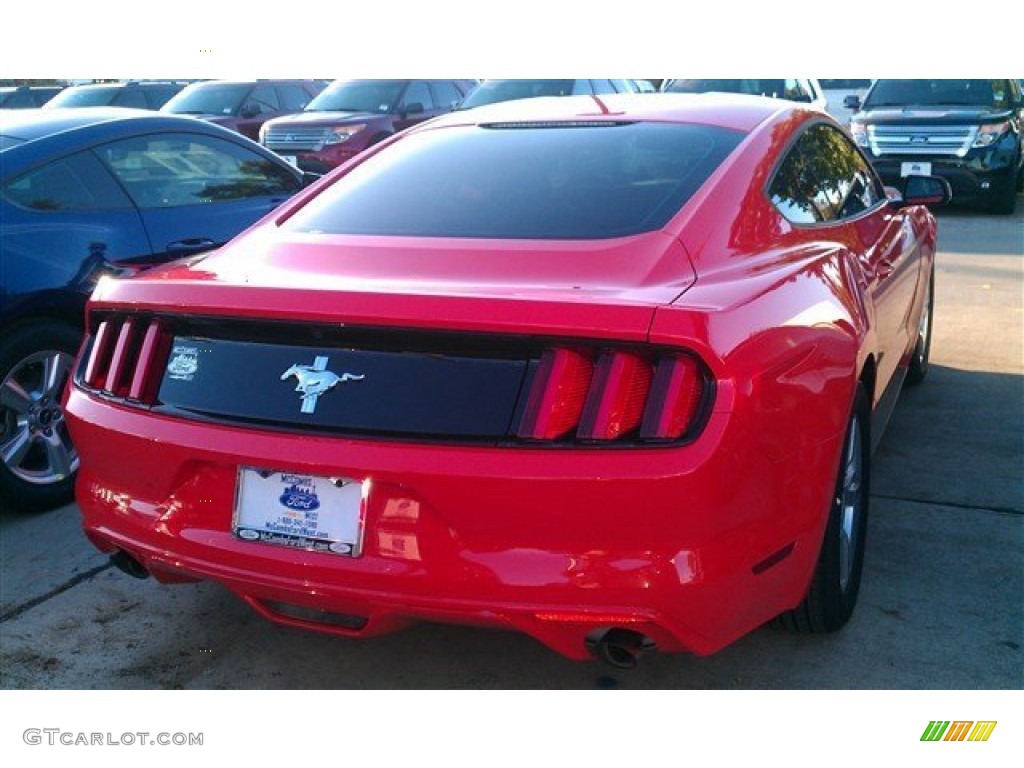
324,514
915,169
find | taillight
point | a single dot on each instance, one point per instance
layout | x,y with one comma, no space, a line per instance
615,402
603,395
676,395
124,359
558,394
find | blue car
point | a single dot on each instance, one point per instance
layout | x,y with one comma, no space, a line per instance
86,193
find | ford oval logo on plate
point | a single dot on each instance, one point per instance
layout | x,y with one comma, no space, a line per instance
294,498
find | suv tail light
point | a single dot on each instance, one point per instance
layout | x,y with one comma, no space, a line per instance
607,395
122,360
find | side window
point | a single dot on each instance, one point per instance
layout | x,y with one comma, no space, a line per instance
446,95
624,86
582,88
823,178
264,97
418,93
75,183
602,86
130,97
171,170
794,90
292,97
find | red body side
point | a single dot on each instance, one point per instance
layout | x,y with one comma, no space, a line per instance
693,544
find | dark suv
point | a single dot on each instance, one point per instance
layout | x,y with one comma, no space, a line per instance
243,105
135,94
966,131
352,115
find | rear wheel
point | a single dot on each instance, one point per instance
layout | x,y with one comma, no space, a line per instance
833,592
919,361
37,459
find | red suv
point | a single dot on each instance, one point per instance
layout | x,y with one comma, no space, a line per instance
243,105
352,115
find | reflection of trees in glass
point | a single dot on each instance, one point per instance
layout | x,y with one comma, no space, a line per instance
812,182
256,178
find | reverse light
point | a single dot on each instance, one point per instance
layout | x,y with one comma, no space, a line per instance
343,134
990,134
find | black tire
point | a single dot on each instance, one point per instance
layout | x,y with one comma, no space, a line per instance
830,601
38,462
919,361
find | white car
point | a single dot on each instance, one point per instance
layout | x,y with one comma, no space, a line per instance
806,91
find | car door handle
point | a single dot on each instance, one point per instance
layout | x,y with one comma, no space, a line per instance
191,245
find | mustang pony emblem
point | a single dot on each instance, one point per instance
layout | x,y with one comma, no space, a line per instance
314,380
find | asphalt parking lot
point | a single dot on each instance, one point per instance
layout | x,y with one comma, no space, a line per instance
940,603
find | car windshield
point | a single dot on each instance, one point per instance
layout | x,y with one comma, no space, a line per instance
523,181
82,97
974,93
493,91
754,87
208,100
358,96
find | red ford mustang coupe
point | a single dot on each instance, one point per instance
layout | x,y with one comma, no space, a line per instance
604,370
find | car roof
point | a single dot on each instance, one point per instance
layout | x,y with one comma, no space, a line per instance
735,111
29,125
261,81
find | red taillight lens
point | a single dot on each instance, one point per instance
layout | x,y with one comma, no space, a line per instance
627,394
120,360
125,357
557,396
615,403
99,356
676,395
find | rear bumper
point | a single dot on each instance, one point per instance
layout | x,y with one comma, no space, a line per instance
557,544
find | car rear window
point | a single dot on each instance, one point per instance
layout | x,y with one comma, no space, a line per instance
523,181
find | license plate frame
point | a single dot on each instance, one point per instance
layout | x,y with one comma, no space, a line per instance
299,510
915,169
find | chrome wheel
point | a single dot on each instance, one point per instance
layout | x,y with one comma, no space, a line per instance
850,503
35,445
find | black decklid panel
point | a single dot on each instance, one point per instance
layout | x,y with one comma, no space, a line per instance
402,393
